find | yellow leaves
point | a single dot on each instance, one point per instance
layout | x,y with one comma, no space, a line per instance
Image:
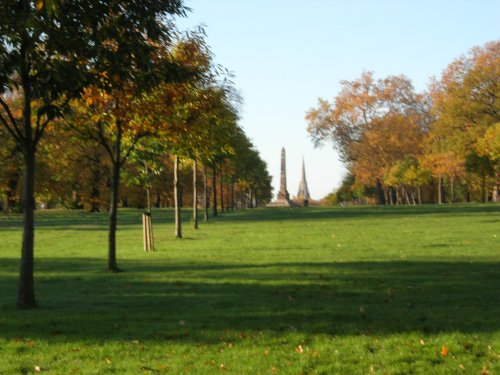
299,349
39,4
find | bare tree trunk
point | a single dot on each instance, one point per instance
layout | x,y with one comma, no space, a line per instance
26,291
221,191
232,195
405,195
494,193
113,214
206,197
195,195
148,199
440,190
379,193
419,195
214,189
95,193
484,191
177,199
10,192
452,192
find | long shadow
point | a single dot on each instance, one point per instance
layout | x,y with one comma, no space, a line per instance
81,220
381,212
155,301
85,221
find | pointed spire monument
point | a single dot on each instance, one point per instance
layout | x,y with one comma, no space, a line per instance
303,194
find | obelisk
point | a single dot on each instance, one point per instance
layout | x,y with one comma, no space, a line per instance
283,198
303,194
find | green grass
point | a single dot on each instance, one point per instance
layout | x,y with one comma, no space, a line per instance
305,291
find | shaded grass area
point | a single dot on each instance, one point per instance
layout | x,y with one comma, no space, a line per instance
347,291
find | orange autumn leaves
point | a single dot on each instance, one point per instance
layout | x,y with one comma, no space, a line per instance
376,124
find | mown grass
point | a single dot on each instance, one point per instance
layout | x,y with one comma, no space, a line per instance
401,290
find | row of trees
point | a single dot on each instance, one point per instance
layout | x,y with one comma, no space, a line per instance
95,93
403,147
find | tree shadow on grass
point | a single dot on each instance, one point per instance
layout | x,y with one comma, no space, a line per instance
80,220
202,302
85,221
358,212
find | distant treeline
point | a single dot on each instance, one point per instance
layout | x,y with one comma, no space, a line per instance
403,147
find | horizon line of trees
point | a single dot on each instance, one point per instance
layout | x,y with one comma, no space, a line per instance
404,147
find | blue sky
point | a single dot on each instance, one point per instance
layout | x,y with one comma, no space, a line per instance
287,53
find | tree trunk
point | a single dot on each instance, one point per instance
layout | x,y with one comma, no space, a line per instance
379,193
177,199
206,197
195,195
214,189
405,195
95,193
10,192
440,190
221,191
452,192
113,214
419,195
26,291
484,191
494,193
232,196
148,200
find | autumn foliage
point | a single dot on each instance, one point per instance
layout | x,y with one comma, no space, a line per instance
437,146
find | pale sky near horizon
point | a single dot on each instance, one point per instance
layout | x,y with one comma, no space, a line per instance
285,54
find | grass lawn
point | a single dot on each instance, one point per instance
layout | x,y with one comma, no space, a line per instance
364,290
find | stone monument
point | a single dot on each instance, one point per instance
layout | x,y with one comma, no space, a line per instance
283,198
303,194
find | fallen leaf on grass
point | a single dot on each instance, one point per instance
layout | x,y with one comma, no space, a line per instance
299,349
444,351
37,369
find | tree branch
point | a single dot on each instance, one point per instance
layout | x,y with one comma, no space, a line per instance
104,142
137,138
13,127
9,129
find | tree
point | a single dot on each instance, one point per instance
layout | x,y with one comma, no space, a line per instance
372,124
466,106
406,175
51,50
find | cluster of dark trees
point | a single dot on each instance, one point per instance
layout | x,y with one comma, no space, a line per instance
101,102
403,147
